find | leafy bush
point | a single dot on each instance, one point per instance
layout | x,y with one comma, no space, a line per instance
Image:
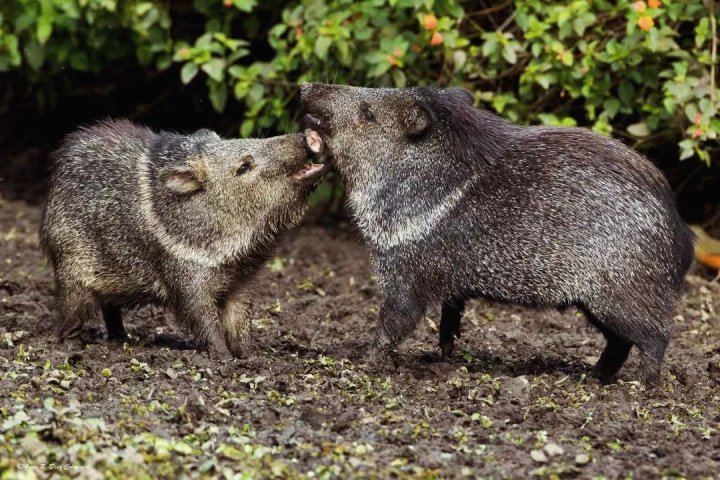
646,71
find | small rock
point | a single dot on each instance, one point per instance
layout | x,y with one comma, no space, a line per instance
344,420
33,446
269,417
582,458
517,387
172,374
313,417
591,360
553,449
538,456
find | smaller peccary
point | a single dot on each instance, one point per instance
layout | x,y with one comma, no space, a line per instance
456,203
136,217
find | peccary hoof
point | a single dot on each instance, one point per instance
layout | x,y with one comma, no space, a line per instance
117,335
601,377
240,351
447,348
220,352
73,344
381,360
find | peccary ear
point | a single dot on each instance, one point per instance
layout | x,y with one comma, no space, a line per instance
462,95
182,179
417,120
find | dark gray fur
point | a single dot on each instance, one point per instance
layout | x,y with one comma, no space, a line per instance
136,217
456,203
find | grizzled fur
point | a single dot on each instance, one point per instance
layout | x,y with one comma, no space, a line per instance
135,216
456,203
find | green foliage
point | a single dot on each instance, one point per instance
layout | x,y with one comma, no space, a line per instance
638,70
39,37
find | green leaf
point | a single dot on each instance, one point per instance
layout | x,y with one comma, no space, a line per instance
321,47
44,29
612,106
489,46
246,128
687,149
399,78
545,80
626,91
639,129
245,5
459,59
218,96
669,105
215,69
35,54
509,54
256,93
188,72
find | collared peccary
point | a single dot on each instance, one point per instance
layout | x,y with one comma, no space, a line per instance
456,203
135,217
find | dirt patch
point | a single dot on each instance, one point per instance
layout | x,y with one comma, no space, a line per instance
512,403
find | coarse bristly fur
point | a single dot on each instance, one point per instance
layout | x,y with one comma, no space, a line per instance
456,203
184,221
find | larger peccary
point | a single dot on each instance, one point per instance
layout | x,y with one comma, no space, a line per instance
135,216
456,203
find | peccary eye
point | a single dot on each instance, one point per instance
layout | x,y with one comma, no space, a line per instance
367,114
243,168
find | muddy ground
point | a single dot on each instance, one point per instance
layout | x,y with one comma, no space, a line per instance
513,402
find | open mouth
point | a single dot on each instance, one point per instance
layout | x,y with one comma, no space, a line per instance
310,172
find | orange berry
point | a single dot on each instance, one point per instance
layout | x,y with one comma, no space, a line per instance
436,39
429,21
184,52
228,3
392,60
645,23
654,3
639,6
397,52
698,119
697,133
298,32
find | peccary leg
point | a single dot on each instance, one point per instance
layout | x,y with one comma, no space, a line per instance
648,335
113,322
398,317
76,304
612,358
452,312
615,353
652,350
198,312
236,321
